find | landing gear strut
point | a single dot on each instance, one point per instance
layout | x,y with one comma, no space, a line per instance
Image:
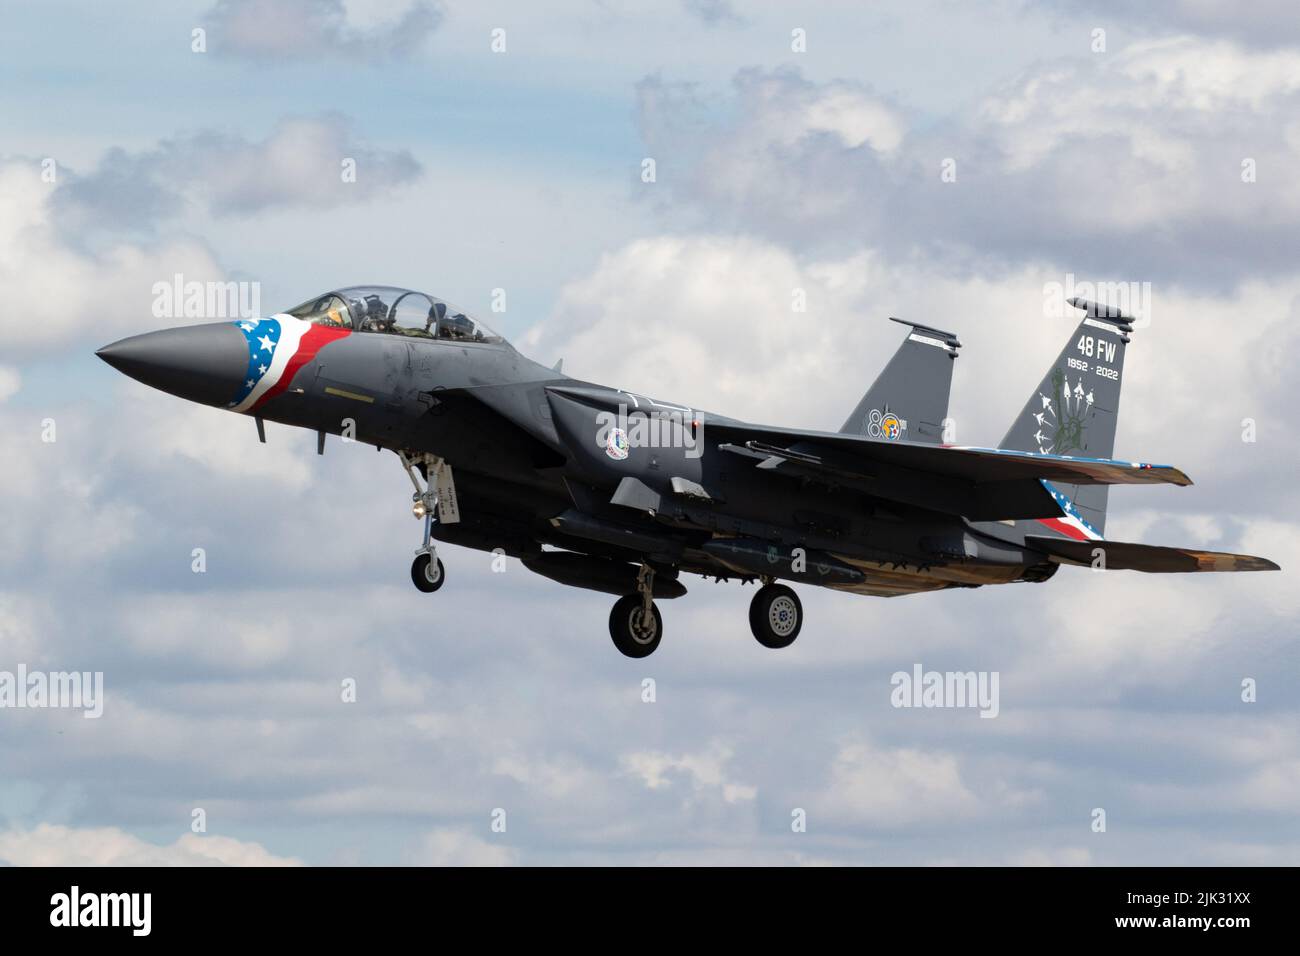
775,615
635,623
427,572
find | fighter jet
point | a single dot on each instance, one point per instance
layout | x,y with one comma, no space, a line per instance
601,488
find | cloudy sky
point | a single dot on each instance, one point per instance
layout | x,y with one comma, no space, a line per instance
1162,149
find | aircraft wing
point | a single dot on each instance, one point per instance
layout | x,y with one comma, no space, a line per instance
979,483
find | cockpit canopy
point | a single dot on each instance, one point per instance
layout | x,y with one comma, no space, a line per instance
393,311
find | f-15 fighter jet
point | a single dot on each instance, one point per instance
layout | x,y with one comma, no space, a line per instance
601,488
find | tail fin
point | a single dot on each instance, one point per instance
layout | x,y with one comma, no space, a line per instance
909,399
1075,409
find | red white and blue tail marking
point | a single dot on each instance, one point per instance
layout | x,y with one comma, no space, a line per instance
1071,523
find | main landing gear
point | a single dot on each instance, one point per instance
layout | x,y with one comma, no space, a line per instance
635,623
775,615
427,572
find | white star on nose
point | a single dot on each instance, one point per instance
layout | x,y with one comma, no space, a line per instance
268,344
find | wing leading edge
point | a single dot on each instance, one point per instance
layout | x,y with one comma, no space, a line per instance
968,462
978,483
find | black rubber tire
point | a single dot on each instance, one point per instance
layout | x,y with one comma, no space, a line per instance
621,629
421,577
775,616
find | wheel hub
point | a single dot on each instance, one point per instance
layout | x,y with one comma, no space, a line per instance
642,626
783,616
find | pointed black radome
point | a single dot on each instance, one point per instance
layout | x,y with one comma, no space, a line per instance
201,363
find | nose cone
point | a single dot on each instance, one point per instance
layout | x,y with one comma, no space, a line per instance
202,363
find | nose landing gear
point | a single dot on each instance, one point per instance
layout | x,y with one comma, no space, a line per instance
431,504
427,573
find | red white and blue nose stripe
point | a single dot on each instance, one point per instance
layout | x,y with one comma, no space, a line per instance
277,348
262,336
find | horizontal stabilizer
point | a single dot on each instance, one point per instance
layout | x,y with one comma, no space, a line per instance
1125,556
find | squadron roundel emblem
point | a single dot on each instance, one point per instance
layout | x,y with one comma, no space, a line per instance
885,425
891,427
616,444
